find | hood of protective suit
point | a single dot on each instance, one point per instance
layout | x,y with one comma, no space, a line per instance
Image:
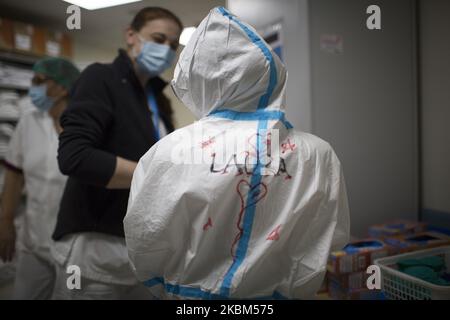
220,69
258,224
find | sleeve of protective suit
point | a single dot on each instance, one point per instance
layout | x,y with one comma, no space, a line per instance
144,231
14,155
340,209
328,231
85,124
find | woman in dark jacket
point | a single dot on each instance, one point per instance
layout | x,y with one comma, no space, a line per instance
116,113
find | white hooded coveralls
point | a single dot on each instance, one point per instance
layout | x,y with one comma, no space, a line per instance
240,228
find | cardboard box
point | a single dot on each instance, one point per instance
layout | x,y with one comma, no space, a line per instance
66,46
25,38
57,44
357,256
424,240
354,280
396,228
6,34
336,292
32,39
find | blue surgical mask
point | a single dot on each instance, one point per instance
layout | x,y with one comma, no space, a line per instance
38,95
154,58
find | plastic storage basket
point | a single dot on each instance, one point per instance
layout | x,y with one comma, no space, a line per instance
400,286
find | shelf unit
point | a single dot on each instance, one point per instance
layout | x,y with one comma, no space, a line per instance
17,59
20,60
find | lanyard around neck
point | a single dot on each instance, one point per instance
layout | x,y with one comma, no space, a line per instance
153,106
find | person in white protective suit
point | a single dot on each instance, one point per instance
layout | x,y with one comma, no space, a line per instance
257,222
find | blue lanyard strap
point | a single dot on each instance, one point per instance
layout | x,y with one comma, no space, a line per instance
261,114
152,104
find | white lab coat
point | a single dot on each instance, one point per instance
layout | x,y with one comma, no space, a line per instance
33,149
197,228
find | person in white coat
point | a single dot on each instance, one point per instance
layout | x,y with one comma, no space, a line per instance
31,163
208,219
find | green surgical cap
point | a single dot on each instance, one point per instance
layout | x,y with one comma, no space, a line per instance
62,71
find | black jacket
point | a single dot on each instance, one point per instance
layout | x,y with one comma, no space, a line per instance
107,116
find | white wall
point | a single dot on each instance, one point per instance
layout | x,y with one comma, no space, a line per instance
435,107
294,15
364,104
85,54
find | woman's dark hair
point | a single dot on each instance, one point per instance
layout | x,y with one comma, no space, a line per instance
153,13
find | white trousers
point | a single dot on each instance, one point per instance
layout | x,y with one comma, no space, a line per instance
96,290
